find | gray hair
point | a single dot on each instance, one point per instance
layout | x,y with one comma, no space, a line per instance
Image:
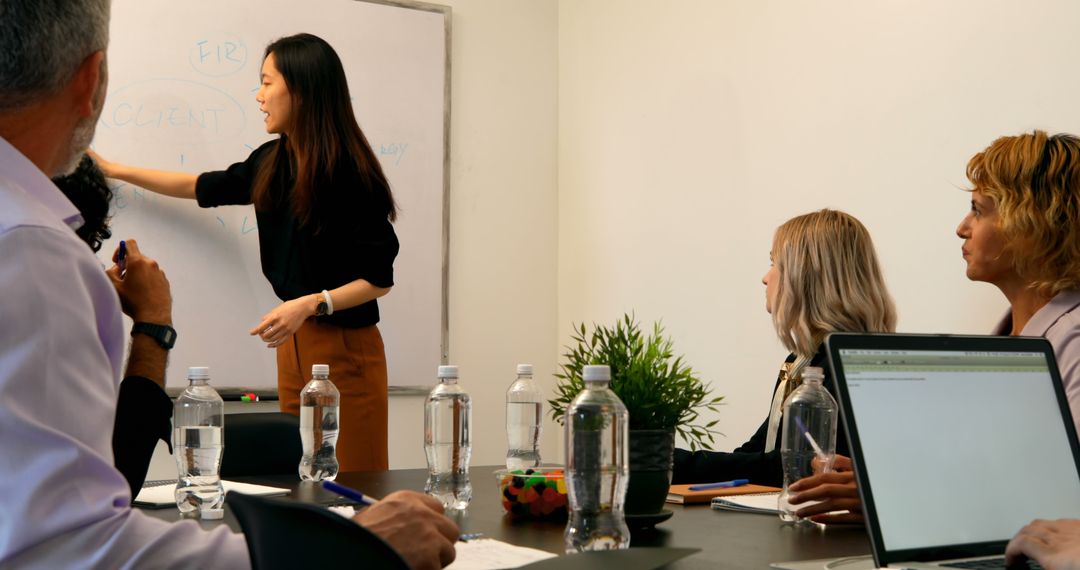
43,42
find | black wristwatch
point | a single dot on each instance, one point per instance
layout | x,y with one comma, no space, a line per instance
163,334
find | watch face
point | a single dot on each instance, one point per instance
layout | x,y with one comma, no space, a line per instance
320,309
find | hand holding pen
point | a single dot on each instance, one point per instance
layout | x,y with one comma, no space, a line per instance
144,290
411,523
821,458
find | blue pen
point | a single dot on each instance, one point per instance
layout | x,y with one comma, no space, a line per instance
348,493
121,259
722,485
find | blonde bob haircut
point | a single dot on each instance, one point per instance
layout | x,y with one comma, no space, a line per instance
1034,181
829,281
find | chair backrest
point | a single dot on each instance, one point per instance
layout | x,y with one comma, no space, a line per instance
284,534
265,443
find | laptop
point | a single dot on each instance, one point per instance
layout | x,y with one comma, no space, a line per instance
957,442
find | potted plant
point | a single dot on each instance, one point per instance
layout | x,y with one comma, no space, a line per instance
661,392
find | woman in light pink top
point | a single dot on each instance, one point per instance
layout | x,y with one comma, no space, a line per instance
1022,235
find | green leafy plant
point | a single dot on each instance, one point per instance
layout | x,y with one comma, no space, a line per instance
660,390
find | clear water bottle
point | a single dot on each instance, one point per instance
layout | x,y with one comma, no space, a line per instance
320,405
808,438
597,468
524,415
448,441
198,442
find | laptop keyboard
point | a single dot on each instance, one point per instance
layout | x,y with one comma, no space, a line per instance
993,563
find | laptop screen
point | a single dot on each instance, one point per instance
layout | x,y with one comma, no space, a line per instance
960,446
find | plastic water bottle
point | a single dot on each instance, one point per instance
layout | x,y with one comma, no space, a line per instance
320,406
524,412
597,455
198,423
448,441
808,439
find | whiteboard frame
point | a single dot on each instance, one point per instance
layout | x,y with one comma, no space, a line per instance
444,342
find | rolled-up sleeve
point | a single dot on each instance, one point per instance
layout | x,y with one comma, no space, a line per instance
231,186
63,502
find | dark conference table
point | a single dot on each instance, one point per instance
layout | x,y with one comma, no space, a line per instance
726,539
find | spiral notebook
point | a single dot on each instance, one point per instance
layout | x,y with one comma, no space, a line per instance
761,503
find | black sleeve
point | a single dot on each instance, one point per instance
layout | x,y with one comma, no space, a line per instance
711,466
363,241
374,249
231,186
748,461
143,416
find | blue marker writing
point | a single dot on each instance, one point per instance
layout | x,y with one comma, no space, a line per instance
348,493
722,485
121,259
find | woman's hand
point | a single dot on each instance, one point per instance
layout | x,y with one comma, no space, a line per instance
835,491
107,167
281,323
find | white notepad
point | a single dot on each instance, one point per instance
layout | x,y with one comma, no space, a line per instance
165,495
764,503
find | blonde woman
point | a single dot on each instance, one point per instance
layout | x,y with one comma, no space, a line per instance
1022,234
823,277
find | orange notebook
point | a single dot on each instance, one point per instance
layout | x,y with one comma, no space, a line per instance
681,494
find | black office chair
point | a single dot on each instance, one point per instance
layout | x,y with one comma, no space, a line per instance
284,534
265,443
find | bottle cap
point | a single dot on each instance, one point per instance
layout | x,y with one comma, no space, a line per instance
596,372
198,372
320,369
524,369
212,514
813,372
448,371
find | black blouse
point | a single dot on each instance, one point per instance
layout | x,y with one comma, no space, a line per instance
749,460
355,240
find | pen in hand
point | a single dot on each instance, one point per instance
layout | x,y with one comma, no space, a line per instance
813,443
721,485
121,259
348,493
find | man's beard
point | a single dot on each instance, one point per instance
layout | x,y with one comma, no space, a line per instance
84,130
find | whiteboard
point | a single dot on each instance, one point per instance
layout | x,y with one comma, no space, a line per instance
181,96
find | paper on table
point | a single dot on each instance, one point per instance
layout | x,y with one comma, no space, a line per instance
480,553
491,554
165,495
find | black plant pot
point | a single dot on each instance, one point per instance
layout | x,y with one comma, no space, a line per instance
651,452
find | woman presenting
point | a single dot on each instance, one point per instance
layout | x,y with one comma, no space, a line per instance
324,209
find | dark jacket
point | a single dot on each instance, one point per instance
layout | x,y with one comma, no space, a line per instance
749,460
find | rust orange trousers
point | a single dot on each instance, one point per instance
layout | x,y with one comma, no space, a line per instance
358,370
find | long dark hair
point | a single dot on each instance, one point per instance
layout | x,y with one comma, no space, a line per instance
324,130
88,191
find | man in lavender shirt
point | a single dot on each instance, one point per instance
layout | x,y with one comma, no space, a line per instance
62,503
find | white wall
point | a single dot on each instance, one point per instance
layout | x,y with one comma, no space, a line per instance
688,130
502,218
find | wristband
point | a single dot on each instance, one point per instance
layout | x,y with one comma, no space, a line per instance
329,302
